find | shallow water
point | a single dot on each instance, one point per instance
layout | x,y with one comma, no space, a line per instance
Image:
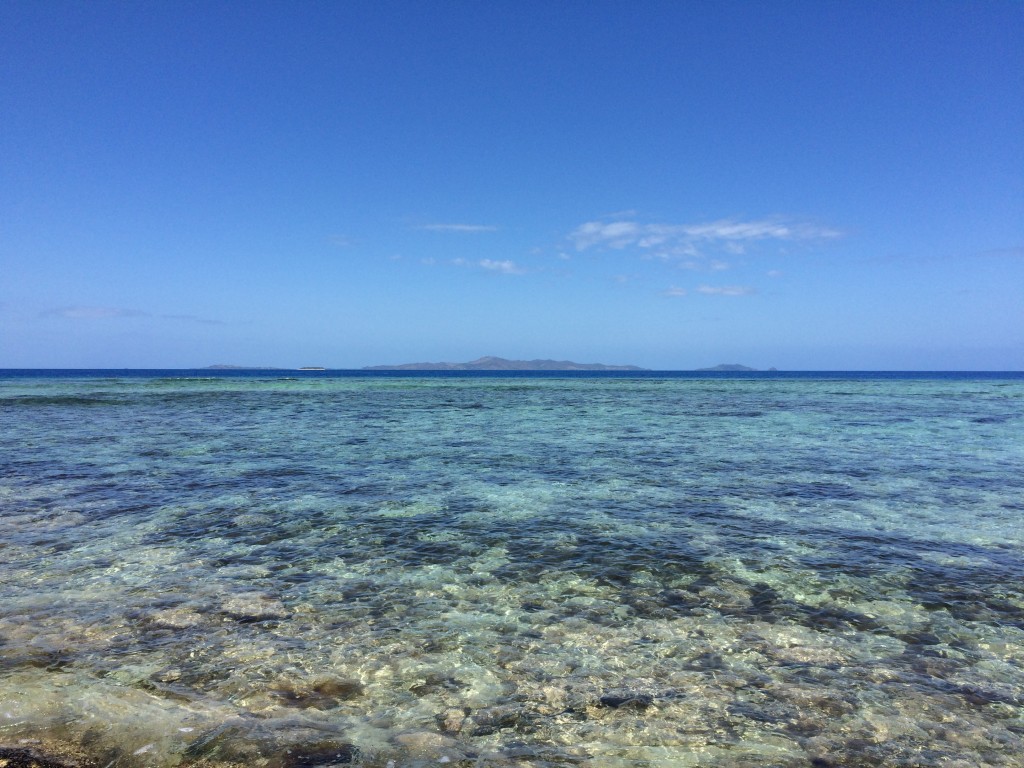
595,571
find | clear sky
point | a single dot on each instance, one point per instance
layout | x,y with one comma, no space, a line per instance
805,185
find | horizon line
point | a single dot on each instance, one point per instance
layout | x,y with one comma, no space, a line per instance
397,369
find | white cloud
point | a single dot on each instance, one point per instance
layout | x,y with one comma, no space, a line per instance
469,228
673,291
688,239
726,290
506,267
617,234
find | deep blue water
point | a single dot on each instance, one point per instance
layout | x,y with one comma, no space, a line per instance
61,373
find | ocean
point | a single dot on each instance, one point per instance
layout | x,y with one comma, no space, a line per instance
274,568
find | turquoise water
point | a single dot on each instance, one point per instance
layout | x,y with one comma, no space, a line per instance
300,570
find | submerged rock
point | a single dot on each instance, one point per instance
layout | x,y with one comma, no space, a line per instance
177,618
254,606
435,683
30,757
626,700
252,520
453,719
324,753
171,675
226,742
321,693
423,741
484,722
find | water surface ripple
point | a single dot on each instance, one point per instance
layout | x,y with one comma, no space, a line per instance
513,571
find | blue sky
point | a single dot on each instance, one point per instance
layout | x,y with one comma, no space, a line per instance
805,185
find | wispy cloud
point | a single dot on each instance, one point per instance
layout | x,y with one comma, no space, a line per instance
506,267
466,228
193,319
106,313
675,292
726,290
1011,253
93,313
691,239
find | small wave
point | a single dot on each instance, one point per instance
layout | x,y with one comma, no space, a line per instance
43,400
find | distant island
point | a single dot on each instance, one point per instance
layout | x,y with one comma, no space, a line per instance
242,368
491,363
260,368
729,368
501,364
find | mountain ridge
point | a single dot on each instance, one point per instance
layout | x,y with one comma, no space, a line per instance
727,368
491,363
